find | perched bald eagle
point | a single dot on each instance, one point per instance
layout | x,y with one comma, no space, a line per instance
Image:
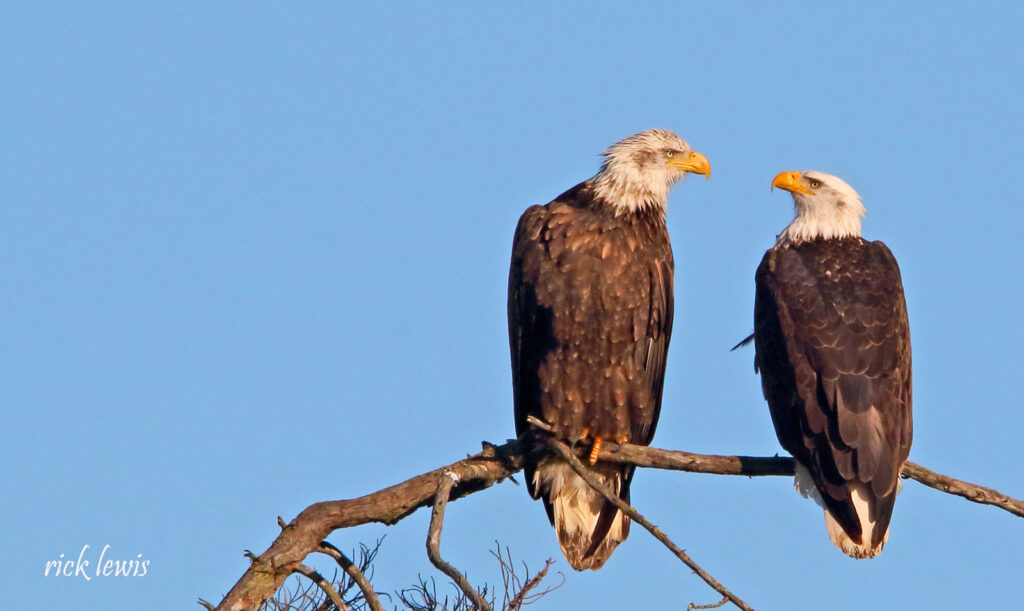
833,350
589,319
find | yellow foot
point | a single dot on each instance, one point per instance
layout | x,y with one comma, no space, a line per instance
594,451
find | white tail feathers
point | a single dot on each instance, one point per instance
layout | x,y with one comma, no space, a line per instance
576,508
867,527
805,486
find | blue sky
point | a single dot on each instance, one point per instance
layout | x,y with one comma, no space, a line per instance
255,256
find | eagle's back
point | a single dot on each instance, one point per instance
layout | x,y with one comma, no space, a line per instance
833,349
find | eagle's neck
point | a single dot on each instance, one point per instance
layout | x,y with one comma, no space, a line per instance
627,190
822,222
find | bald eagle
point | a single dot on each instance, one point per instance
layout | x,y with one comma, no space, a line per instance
833,350
589,319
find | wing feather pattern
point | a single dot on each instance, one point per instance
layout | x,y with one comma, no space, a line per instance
833,349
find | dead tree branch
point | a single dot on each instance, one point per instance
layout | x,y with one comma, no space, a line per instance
676,460
971,492
314,576
303,535
716,605
354,573
522,590
563,450
523,597
444,488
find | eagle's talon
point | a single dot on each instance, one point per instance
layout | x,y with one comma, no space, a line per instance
594,451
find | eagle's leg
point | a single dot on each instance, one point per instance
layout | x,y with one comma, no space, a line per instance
595,450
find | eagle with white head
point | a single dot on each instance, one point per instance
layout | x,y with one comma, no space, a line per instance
833,350
589,319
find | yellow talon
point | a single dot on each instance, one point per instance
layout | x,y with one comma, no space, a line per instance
594,451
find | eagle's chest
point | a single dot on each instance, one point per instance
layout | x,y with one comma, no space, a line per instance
599,275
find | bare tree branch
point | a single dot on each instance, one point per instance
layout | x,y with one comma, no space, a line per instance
515,586
677,460
562,450
424,597
354,573
306,596
523,597
303,535
971,492
314,576
716,605
444,488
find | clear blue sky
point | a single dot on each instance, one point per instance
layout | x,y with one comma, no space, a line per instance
255,256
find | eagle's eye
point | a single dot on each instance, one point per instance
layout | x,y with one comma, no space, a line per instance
815,183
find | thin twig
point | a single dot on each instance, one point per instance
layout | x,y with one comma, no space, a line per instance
971,492
514,586
520,598
716,605
509,580
325,585
444,488
567,455
353,571
207,604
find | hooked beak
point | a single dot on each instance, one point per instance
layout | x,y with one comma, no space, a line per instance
791,181
692,162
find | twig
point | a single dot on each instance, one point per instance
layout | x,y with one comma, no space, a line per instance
520,598
353,571
325,585
513,584
444,488
207,604
971,492
567,455
716,605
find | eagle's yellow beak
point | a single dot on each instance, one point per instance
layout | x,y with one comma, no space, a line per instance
791,181
692,162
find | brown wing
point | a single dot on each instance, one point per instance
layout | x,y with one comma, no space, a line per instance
659,332
833,349
530,328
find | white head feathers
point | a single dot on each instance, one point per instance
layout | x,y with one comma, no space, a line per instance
639,171
826,207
